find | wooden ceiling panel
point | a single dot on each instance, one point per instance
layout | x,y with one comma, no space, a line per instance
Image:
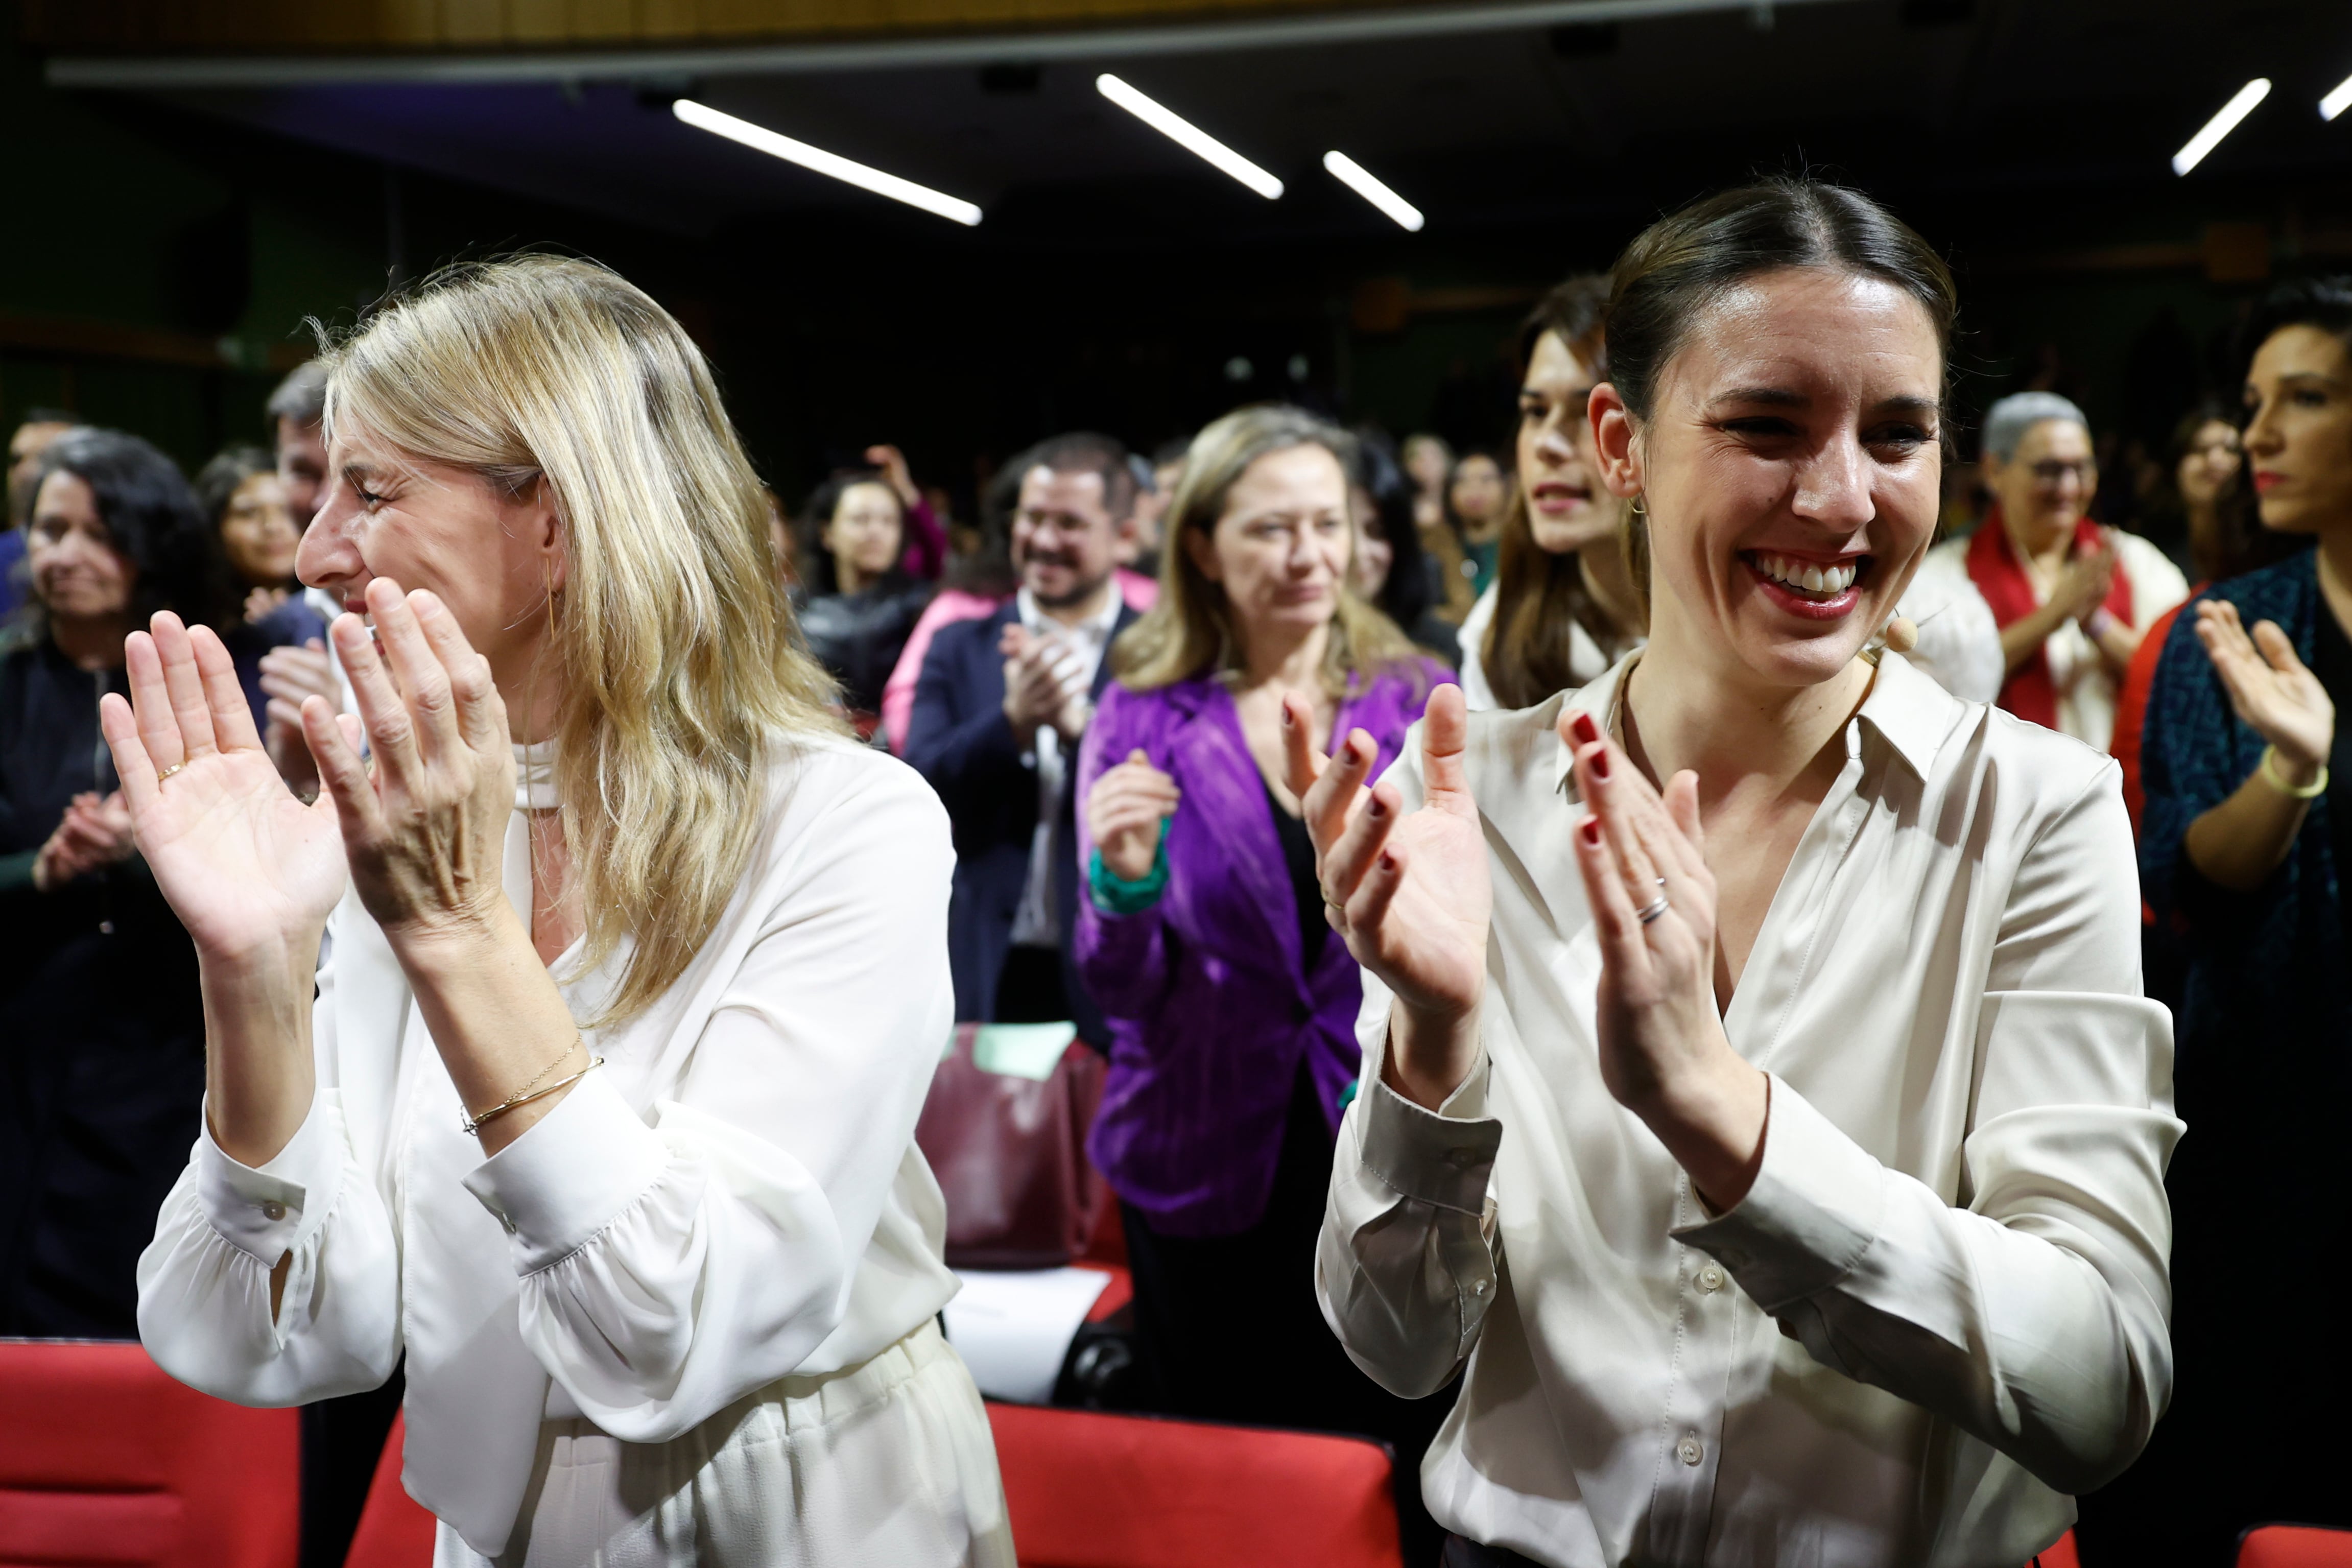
106,27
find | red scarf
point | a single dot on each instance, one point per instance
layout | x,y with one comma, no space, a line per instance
2000,576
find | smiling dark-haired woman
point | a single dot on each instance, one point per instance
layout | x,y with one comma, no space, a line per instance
101,1026
1773,1130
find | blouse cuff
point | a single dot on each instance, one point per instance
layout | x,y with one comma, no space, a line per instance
1442,1157
270,1212
1814,1210
571,1175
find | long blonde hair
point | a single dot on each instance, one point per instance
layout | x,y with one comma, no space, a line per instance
670,635
1190,632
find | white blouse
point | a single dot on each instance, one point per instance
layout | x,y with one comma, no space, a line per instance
734,1196
1944,1302
1586,662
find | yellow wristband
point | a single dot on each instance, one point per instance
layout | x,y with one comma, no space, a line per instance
2277,780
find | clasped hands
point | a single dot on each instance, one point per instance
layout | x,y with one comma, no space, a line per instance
2086,580
95,833
1410,893
249,867
1043,687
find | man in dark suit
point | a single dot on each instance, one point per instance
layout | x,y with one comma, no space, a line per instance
998,715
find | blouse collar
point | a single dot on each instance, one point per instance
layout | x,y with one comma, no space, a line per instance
1905,707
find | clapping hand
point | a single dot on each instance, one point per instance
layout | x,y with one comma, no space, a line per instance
289,677
1125,811
248,867
1407,892
425,829
1663,1053
244,864
2269,686
2088,579
1041,686
94,833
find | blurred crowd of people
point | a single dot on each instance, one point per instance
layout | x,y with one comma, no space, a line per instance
1092,675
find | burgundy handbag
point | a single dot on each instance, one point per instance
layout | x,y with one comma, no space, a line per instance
1009,1146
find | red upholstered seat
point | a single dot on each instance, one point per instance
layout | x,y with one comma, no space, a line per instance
2294,1546
1090,1490
396,1531
106,1462
2060,1554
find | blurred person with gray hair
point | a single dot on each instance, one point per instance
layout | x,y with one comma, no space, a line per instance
2071,598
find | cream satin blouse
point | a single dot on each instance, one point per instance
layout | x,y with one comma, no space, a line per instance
1942,1307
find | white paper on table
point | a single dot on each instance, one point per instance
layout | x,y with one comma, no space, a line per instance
1014,1326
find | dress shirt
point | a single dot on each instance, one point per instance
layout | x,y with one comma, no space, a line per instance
1943,1303
1077,654
735,1196
2086,686
1586,662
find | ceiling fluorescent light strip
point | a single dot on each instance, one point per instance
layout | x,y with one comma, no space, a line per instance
702,117
1360,180
1188,136
2338,101
2241,105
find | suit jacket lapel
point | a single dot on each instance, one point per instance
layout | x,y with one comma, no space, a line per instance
1127,617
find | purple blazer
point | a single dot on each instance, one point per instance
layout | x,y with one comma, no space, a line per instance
1209,1005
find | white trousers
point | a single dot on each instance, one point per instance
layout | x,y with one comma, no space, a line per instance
889,1463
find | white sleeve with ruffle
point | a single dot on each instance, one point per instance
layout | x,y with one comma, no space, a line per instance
204,1281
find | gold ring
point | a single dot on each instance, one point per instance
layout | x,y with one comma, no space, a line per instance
167,773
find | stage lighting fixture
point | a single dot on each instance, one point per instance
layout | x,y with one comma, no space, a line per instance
2241,105
702,117
1358,179
1188,136
2338,101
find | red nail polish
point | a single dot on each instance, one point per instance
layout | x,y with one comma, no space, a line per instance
1374,808
1591,831
1585,730
1600,765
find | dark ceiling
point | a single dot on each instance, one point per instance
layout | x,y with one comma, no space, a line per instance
1502,126
1117,282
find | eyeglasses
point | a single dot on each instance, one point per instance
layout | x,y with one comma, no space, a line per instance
2052,472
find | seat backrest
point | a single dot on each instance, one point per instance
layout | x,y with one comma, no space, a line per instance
2060,1554
1092,1491
395,1531
106,1462
2294,1546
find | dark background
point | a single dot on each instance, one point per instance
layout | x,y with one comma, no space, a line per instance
165,243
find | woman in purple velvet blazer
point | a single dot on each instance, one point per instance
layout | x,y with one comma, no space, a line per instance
1231,1006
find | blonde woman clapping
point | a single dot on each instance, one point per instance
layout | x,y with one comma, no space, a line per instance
604,1111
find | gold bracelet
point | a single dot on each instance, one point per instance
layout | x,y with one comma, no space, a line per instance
530,1091
2277,780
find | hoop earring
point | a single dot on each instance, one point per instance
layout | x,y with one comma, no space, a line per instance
1638,509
